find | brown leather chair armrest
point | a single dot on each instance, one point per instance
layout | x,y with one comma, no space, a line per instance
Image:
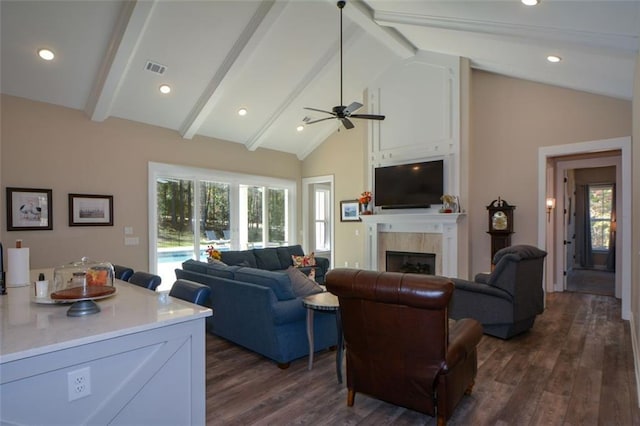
463,338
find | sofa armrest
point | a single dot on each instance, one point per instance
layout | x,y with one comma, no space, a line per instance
286,311
482,278
477,287
463,339
324,263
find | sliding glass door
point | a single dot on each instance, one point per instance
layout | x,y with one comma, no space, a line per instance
174,225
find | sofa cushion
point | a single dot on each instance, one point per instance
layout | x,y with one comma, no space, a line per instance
267,258
284,256
238,257
222,272
195,266
302,285
279,282
295,250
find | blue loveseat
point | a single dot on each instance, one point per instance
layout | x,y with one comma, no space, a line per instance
259,310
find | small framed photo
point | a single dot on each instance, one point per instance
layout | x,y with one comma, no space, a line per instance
90,210
349,211
29,209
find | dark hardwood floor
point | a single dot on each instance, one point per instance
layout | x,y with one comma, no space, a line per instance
575,367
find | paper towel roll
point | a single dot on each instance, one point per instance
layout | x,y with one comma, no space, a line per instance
17,267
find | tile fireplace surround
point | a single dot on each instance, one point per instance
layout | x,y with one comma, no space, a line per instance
416,232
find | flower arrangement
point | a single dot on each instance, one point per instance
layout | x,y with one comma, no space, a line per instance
448,199
212,253
449,203
365,197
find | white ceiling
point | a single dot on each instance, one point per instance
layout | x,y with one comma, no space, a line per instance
275,57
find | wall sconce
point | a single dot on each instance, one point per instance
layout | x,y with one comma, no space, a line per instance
551,204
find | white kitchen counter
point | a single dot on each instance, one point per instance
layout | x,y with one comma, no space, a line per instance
29,329
145,350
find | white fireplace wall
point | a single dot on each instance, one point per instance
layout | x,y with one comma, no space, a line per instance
436,232
417,242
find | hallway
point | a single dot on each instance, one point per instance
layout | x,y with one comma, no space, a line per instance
592,281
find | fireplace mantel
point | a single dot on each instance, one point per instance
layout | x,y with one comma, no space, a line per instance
426,219
445,224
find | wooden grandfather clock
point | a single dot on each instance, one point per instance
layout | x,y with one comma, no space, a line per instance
500,224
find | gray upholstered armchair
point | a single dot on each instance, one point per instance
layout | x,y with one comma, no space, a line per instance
507,300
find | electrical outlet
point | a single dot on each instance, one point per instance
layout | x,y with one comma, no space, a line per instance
79,383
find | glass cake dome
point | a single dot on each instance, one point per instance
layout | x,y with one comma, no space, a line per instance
82,281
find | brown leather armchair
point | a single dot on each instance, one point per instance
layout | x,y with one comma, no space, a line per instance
398,343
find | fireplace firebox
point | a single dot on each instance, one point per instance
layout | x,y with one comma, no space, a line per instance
411,262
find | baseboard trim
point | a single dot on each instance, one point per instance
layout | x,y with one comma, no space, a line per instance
636,355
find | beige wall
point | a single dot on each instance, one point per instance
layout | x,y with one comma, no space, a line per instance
343,155
511,119
45,146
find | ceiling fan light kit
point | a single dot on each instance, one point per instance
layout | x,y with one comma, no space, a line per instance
341,112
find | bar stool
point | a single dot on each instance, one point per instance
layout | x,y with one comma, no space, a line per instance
146,280
191,292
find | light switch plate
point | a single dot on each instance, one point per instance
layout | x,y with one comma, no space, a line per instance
131,241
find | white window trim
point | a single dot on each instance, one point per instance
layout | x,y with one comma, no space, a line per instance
158,170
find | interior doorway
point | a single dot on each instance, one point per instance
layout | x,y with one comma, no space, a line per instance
551,228
318,216
588,200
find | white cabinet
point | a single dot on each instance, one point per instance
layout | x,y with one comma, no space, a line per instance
144,355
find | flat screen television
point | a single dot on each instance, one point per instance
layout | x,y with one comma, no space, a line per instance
415,185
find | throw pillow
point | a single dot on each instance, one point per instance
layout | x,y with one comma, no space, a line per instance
215,262
302,285
301,261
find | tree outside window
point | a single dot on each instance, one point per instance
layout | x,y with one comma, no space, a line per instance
214,211
277,216
600,204
175,204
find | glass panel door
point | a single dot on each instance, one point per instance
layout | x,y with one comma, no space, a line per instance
175,231
215,216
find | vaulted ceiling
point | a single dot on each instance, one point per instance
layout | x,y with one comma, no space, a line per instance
275,57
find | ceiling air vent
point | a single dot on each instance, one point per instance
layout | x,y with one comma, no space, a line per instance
155,67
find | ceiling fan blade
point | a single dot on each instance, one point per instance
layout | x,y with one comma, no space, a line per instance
347,123
319,110
321,119
353,107
341,112
367,116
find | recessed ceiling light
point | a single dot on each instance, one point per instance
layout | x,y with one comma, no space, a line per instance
165,89
242,112
554,59
300,128
530,2
46,54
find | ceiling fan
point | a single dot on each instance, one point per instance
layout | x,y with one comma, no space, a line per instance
341,112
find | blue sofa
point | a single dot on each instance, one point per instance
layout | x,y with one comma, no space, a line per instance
259,310
274,259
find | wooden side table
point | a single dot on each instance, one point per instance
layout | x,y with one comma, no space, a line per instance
327,302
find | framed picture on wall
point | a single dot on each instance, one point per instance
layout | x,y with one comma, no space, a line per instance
29,209
90,210
349,211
